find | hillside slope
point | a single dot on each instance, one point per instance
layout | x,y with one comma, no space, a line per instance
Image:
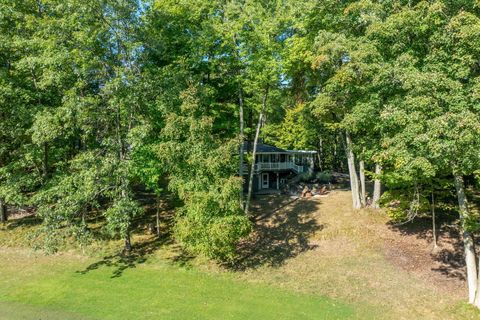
321,246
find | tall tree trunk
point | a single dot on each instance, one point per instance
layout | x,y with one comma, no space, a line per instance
3,211
158,216
468,243
476,301
45,160
128,243
242,139
335,155
434,225
363,195
352,172
254,152
122,149
377,187
320,154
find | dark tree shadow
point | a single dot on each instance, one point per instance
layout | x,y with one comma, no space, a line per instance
21,217
127,260
452,264
27,221
181,258
278,237
448,257
420,228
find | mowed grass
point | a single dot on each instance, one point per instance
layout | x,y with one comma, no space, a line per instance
308,259
38,287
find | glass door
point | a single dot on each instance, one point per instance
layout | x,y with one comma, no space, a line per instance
265,182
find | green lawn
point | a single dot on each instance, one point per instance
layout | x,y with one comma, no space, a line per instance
346,273
56,288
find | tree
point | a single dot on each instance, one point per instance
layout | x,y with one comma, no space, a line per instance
201,169
431,128
79,74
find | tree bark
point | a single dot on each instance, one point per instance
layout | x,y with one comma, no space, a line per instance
158,217
3,211
377,187
241,121
335,155
254,152
468,243
434,225
476,302
320,154
45,160
128,243
363,195
352,172
242,139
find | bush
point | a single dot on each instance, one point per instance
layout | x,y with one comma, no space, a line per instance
324,176
306,177
403,205
211,222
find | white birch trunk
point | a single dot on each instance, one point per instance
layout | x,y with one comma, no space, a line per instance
320,154
363,195
469,246
254,152
352,172
377,187
476,302
242,138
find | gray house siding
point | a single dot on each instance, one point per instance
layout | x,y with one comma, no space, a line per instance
274,165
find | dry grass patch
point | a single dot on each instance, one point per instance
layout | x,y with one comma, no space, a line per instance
329,249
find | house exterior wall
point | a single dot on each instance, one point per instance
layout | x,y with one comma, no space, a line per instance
272,180
255,182
277,163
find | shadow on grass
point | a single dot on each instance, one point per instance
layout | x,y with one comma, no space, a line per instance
123,260
449,255
23,222
279,236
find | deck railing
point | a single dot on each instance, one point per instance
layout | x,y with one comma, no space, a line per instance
262,166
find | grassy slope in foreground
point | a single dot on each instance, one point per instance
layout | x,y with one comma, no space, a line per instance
51,288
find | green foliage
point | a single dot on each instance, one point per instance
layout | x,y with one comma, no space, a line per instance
295,131
324,176
211,233
99,97
306,176
120,215
201,170
403,207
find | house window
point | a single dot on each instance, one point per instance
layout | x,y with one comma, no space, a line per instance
282,158
266,158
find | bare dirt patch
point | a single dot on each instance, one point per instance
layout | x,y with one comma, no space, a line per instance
414,252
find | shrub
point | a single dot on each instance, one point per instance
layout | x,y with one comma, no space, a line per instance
403,205
324,176
306,177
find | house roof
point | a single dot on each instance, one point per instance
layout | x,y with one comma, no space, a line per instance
303,151
262,148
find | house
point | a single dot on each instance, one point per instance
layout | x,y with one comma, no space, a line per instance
274,166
